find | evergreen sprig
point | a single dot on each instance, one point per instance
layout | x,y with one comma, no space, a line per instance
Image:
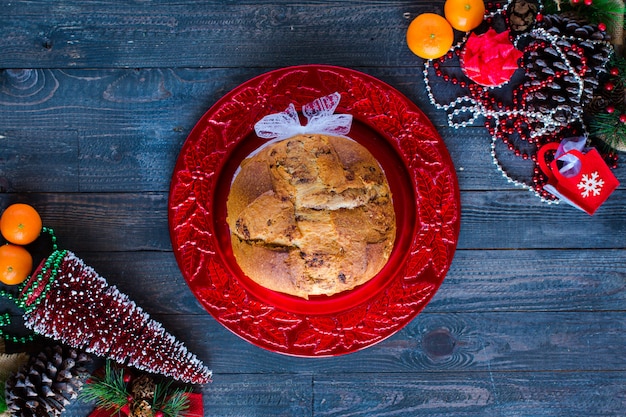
111,392
171,401
619,62
610,127
108,391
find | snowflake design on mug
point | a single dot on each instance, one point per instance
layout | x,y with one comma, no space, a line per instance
590,184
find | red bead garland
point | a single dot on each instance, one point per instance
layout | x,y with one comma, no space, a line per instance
521,130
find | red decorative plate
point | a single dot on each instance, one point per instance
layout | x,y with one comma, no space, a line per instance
426,201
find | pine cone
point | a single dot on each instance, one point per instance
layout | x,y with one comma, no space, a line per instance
604,98
47,383
571,24
574,29
597,105
143,388
142,391
551,82
522,14
141,408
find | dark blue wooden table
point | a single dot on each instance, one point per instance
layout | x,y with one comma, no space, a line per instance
96,100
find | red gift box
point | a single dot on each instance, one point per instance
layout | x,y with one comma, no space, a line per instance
585,181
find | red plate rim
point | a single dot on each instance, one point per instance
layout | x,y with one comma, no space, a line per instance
426,200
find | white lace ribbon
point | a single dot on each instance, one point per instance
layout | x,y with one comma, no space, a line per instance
320,119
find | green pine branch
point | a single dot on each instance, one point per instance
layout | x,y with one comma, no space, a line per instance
109,392
173,402
609,129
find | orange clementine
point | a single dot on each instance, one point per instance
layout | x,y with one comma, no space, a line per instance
15,264
429,36
464,15
20,224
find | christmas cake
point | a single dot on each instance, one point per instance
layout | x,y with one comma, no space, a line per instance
311,215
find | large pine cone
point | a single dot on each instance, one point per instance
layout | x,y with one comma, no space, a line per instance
550,81
47,383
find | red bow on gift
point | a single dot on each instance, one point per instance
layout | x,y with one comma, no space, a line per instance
490,59
196,409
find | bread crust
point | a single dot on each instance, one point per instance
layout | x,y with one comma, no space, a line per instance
311,215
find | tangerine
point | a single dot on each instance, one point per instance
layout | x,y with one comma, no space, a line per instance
464,15
16,264
20,224
429,36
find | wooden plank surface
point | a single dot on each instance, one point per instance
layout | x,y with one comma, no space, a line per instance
141,34
482,394
96,100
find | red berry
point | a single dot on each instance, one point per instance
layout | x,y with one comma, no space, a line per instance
601,26
588,2
614,71
539,17
575,1
610,109
622,118
609,86
159,414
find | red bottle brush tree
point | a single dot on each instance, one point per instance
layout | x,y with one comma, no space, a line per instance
68,301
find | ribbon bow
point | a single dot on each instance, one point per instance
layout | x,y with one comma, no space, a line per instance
571,164
320,119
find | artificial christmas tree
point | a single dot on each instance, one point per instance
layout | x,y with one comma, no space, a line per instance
68,301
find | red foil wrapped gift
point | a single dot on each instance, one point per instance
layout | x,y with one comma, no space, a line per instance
490,59
577,176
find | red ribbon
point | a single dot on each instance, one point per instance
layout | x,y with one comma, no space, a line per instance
196,408
490,59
